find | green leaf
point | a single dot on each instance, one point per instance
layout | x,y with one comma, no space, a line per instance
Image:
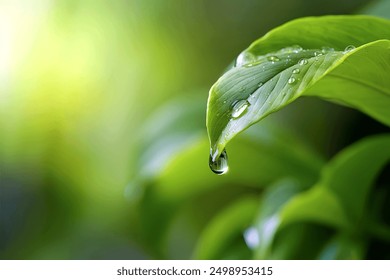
343,247
338,200
222,232
351,174
268,219
274,71
317,205
300,241
173,127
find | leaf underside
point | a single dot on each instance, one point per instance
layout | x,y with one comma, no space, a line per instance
308,56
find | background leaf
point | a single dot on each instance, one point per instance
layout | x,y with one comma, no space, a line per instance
351,174
338,200
226,228
268,220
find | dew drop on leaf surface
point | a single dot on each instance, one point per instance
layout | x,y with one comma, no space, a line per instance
291,80
244,58
303,61
327,49
239,108
273,58
349,48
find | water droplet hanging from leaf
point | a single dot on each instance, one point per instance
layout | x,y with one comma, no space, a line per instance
220,164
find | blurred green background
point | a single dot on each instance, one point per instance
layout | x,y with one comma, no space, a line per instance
103,144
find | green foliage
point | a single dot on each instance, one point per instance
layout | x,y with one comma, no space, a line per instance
84,174
183,182
338,199
279,196
344,59
325,215
310,56
216,239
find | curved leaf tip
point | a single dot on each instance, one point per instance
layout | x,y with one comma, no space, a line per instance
267,77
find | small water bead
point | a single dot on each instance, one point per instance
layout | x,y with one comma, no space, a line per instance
259,85
296,48
327,49
302,61
296,71
220,165
349,48
318,53
239,108
273,58
291,80
292,49
244,58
